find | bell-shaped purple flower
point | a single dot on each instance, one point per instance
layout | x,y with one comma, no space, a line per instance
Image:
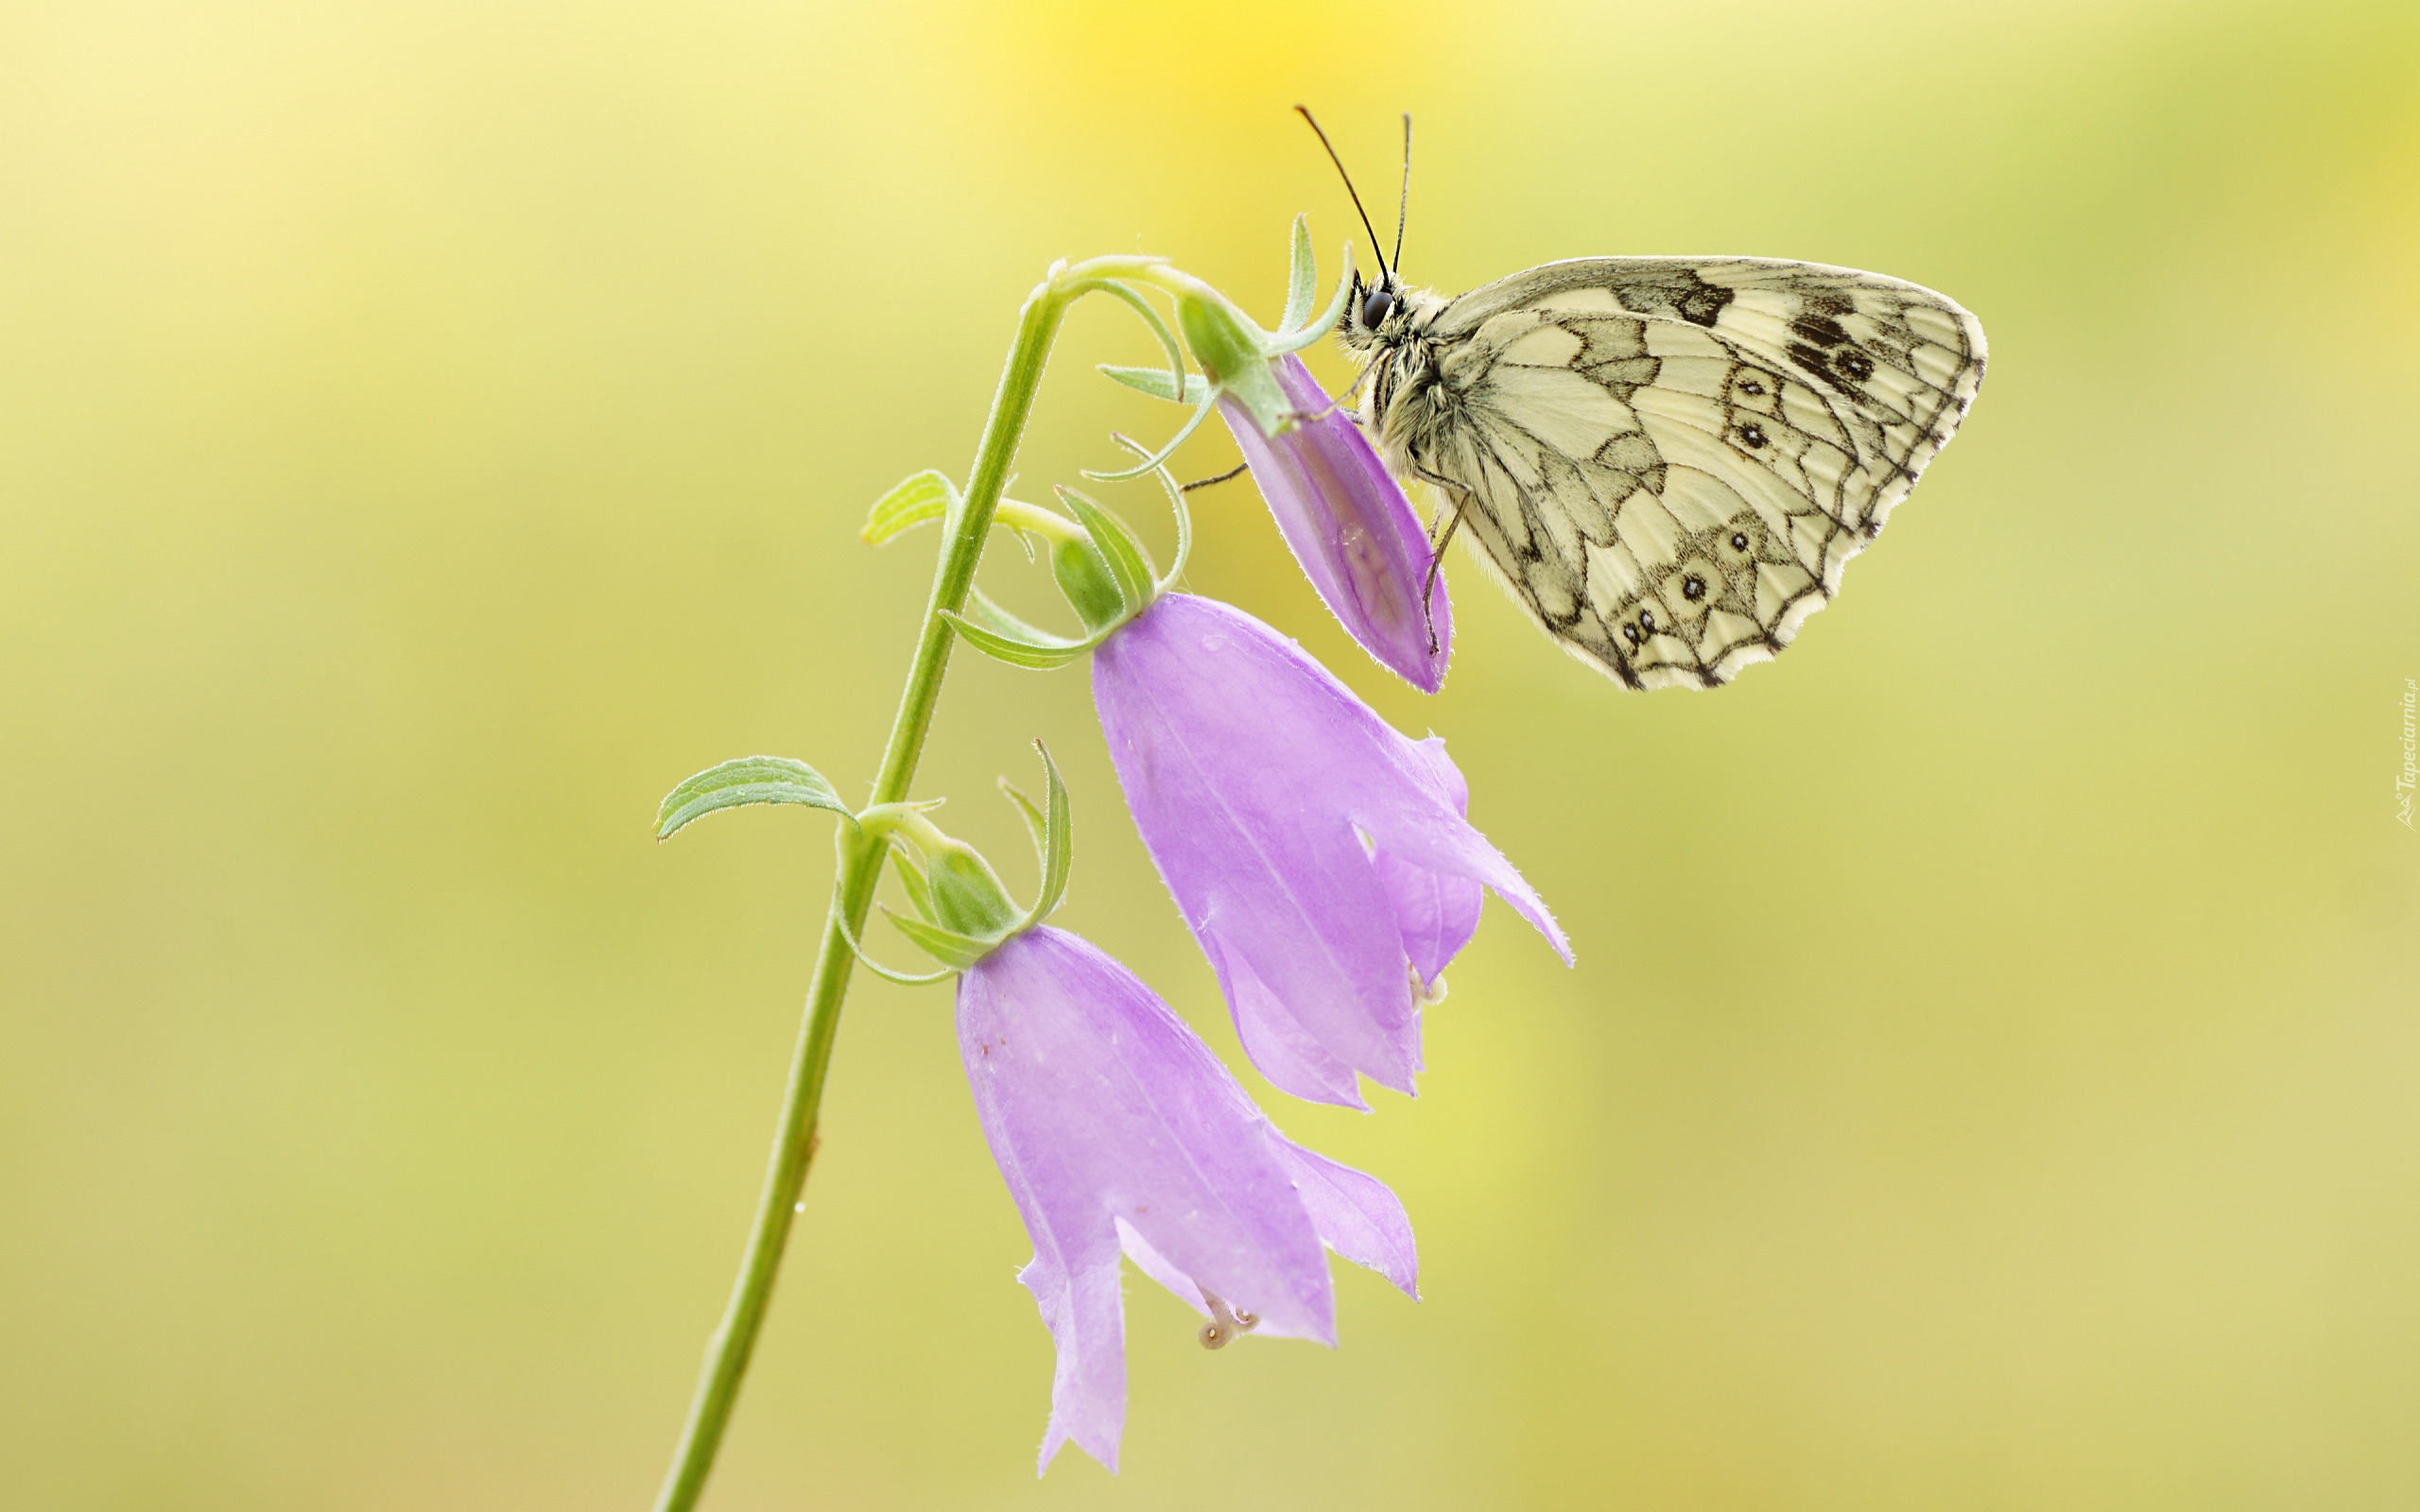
1350,526
1323,860
1118,1130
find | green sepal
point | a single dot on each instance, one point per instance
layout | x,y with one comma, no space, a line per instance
984,612
1183,518
1183,531
967,894
1127,560
1024,647
953,950
911,882
749,780
1058,840
857,947
1037,826
1263,398
1084,577
1053,834
1322,323
1142,307
1158,382
1302,281
1192,423
918,500
1224,340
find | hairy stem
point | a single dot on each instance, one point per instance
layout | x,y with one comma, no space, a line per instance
860,869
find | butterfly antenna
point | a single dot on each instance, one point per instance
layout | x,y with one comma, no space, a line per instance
1403,206
1305,111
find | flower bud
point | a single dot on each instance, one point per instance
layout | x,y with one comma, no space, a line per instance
967,895
1234,355
1083,577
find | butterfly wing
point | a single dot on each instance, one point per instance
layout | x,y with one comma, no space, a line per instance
1669,461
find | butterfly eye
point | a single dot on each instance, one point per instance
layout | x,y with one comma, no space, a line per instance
1377,307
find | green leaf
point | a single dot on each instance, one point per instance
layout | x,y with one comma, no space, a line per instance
1053,834
1128,562
1083,577
1142,307
1303,283
911,882
918,500
952,950
1325,321
1184,535
968,896
984,612
1158,382
1058,840
1192,422
902,978
749,780
1184,516
1035,825
1018,651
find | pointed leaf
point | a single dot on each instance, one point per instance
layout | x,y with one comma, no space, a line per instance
1151,316
1320,323
918,500
1036,825
953,950
1192,423
1127,560
749,780
1058,840
1157,383
1303,281
984,612
902,978
1184,516
1016,652
911,882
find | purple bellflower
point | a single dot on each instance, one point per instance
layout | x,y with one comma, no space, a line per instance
1117,1130
1350,526
1323,860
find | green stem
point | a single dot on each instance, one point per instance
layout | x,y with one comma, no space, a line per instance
860,869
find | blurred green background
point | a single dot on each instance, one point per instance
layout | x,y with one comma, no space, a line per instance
428,432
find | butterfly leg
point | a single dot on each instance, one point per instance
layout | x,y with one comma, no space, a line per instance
1228,476
1437,555
1341,400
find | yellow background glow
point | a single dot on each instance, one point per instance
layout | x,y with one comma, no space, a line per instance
429,432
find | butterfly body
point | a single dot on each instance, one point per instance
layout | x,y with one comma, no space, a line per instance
1666,460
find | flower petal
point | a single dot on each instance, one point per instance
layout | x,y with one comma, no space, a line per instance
1086,1316
1438,914
1350,526
1356,1215
1412,836
1100,1103
1253,775
1160,1268
1284,1049
1114,1126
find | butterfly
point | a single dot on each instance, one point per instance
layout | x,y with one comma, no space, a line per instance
1666,460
